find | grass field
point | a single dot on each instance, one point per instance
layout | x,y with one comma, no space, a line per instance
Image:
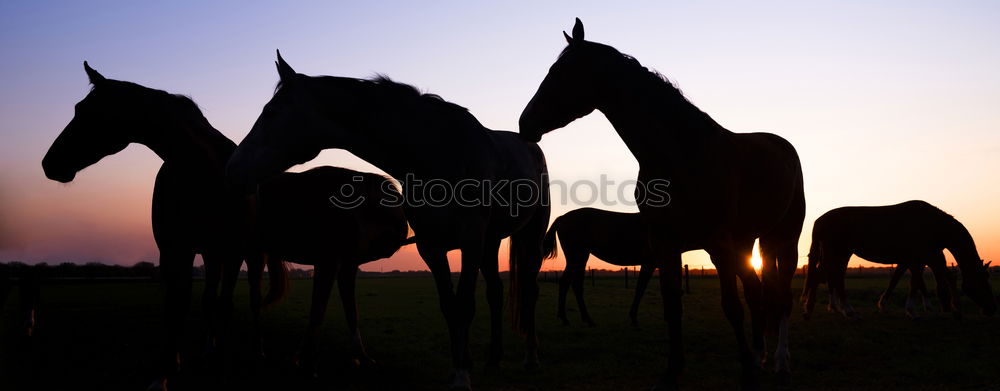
103,336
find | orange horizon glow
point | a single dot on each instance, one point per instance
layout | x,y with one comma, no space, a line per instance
900,106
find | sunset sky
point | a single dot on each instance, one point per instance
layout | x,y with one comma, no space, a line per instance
885,101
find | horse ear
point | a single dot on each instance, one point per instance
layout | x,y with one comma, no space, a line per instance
284,70
95,77
569,39
578,31
987,265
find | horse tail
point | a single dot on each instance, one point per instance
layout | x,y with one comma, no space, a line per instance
278,273
815,258
813,277
549,247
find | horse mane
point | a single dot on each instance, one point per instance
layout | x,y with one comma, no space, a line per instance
394,89
407,91
183,101
666,89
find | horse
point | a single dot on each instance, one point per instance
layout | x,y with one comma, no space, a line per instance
193,212
465,186
912,233
298,222
614,237
725,189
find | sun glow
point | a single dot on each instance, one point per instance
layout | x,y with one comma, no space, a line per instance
755,256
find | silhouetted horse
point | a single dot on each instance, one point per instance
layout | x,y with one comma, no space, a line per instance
725,189
448,164
911,234
300,223
614,237
192,211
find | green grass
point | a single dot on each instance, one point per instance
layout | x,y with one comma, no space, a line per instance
104,336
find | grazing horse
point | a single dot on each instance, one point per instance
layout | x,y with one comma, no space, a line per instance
913,233
614,237
299,222
193,212
465,186
725,189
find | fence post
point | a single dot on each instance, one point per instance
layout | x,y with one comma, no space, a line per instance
625,269
687,280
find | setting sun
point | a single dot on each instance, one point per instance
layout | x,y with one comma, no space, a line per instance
755,255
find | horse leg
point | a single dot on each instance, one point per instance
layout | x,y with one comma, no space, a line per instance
494,297
213,276
579,273
437,260
255,275
346,281
918,286
231,265
945,285
324,275
838,294
886,296
753,294
811,286
465,309
787,263
564,282
670,288
529,263
733,309
645,273
175,268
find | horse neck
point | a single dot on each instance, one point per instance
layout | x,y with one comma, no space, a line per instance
189,141
655,123
392,144
962,247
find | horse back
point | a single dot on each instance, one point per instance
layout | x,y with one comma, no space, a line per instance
883,234
301,219
615,237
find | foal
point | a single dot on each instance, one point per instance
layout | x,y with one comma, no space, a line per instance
305,218
614,237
